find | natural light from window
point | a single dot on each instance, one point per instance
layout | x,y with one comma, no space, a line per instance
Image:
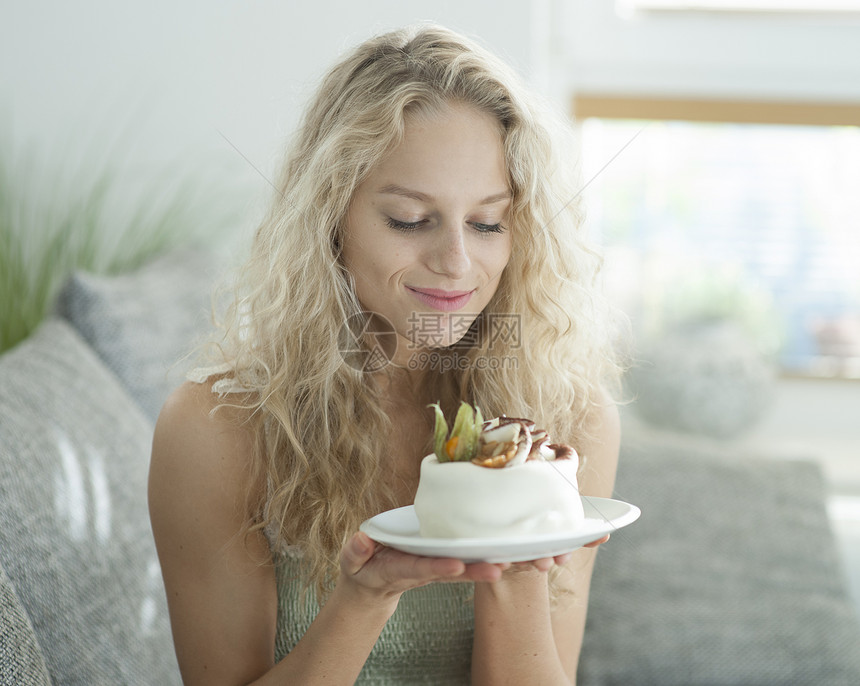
756,223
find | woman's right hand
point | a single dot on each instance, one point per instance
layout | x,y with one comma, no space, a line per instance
373,570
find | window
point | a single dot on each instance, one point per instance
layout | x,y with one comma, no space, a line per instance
760,223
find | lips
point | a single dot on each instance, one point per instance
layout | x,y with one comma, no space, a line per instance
444,301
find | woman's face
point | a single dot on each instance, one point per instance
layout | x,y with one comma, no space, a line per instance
427,238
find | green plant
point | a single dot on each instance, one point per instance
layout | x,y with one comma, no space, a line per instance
48,231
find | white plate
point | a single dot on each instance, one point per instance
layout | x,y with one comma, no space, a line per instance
399,529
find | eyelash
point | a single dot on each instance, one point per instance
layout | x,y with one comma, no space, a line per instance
407,227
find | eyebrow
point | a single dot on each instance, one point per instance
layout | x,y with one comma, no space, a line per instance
394,189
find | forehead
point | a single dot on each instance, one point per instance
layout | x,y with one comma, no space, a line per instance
457,148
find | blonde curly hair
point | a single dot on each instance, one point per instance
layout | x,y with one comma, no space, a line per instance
320,427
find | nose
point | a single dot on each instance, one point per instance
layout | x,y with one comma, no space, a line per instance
449,252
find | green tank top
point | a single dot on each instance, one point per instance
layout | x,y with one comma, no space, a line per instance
428,639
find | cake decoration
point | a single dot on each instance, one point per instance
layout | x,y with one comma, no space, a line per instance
496,478
496,443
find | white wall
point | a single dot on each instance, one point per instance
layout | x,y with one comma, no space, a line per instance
164,80
707,54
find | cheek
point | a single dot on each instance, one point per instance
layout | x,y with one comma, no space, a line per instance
506,256
497,258
383,262
376,269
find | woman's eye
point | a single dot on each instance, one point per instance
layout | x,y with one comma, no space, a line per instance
403,226
406,227
489,228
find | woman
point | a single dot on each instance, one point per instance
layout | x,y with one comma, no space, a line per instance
425,187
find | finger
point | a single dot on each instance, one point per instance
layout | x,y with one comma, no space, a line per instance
599,541
449,569
485,571
543,564
563,559
357,551
440,568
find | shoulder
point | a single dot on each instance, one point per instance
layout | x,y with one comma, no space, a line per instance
201,455
603,421
193,414
600,447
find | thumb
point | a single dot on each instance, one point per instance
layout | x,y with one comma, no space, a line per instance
357,551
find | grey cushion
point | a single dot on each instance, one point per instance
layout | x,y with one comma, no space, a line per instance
731,576
142,323
21,660
75,538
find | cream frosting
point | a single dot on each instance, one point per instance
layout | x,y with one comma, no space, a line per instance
466,500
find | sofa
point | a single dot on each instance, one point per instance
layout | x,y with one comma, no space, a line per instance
730,576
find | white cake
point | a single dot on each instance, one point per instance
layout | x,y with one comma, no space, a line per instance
466,500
